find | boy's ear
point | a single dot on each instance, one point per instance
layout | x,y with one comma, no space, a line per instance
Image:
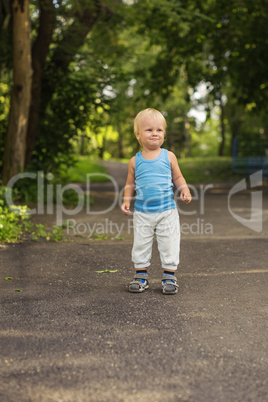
138,137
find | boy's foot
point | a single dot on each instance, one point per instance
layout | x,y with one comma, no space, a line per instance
169,284
139,284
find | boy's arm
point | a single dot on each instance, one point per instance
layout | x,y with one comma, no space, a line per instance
178,179
129,187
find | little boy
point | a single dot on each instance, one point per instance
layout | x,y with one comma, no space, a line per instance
151,173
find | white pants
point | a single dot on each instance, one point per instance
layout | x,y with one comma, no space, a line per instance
166,226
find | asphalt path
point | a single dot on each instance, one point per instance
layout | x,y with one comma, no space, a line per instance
69,333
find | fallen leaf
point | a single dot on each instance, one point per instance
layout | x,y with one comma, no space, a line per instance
106,270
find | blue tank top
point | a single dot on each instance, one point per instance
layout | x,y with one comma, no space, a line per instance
154,187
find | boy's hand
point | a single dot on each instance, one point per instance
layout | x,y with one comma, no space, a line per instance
186,196
125,208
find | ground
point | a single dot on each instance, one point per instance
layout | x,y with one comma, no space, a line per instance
73,334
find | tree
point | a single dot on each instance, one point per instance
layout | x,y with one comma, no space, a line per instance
221,43
62,27
40,50
124,56
49,74
14,154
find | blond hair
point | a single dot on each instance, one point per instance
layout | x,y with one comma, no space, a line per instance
149,112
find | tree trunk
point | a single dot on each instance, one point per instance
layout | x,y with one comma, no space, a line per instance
67,48
187,137
222,128
47,76
39,56
14,153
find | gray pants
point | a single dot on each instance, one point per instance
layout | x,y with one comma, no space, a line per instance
166,226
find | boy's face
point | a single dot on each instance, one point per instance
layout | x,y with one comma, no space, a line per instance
151,133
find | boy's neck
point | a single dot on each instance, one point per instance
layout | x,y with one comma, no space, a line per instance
151,153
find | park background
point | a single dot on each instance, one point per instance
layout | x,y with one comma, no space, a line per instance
75,73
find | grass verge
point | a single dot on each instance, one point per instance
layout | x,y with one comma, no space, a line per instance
207,169
210,169
83,166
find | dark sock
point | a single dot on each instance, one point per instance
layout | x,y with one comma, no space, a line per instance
143,271
169,273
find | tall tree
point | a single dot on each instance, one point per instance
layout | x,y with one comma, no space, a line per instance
14,154
220,43
40,50
49,74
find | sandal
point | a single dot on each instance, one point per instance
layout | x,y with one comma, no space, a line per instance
169,284
137,285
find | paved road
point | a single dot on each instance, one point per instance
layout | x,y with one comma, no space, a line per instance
74,335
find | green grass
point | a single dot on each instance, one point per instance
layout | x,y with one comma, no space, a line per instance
195,170
208,169
83,166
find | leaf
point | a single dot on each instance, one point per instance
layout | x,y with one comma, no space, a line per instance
8,278
18,290
106,271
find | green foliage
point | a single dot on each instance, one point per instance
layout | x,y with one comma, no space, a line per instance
12,222
5,36
205,139
68,112
42,232
15,224
26,190
57,234
74,78
82,167
102,236
139,54
250,145
39,232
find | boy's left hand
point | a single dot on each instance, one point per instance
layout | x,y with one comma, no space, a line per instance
186,196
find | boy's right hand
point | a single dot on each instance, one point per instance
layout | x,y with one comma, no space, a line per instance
125,208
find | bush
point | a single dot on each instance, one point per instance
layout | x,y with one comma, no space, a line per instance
12,221
15,224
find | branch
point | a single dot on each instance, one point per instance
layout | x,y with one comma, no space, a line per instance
74,36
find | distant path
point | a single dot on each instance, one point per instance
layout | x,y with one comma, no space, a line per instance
118,171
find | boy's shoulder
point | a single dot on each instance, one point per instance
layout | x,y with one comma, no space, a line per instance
132,162
171,156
